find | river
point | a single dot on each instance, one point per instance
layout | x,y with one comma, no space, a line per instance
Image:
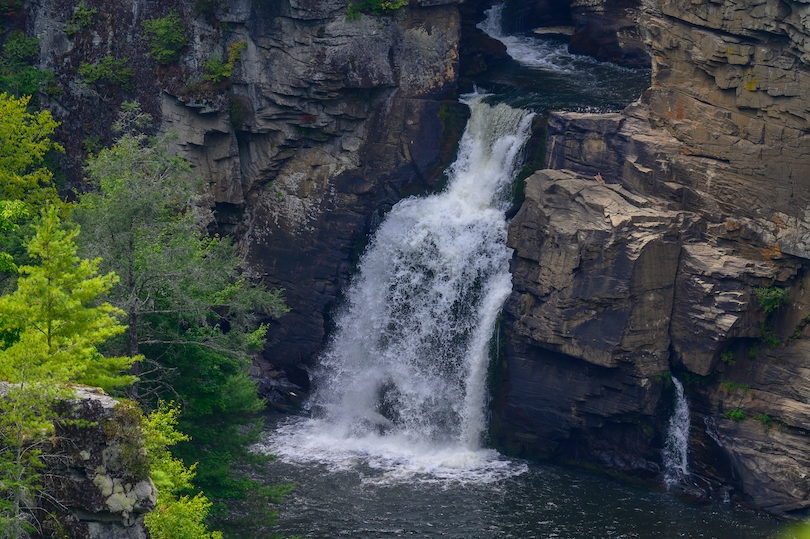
393,441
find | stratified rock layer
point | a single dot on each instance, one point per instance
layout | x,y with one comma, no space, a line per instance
640,258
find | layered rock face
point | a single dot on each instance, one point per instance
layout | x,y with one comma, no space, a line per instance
618,286
323,122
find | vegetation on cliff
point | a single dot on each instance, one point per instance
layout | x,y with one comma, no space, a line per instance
147,259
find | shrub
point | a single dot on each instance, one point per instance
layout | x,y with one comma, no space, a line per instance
216,70
735,415
373,7
166,37
727,357
82,18
771,298
21,48
108,71
731,386
767,337
766,421
17,74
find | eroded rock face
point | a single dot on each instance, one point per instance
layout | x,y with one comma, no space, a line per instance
613,292
706,173
323,122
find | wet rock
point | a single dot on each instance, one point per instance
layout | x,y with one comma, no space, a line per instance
719,141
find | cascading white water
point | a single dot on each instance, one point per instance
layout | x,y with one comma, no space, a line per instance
531,51
675,448
402,383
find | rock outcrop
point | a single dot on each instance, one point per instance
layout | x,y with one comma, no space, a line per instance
618,286
95,471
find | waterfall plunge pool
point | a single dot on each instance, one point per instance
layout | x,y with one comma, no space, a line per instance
365,496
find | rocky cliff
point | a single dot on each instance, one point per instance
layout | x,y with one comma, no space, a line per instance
323,123
655,271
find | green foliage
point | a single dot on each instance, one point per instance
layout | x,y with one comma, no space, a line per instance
666,378
208,8
690,378
24,142
107,71
727,357
730,386
190,312
771,298
735,415
373,7
217,70
18,75
18,47
175,517
10,6
166,37
752,352
126,426
92,144
52,324
237,112
767,337
82,18
766,421
26,421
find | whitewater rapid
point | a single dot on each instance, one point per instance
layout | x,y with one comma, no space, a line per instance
402,384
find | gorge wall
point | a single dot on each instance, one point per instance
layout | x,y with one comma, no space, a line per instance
326,122
620,284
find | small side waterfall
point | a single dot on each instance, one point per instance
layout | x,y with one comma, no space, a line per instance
403,379
675,449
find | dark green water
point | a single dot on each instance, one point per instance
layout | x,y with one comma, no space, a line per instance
356,496
545,76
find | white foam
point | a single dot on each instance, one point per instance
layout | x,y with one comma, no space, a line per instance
401,386
538,52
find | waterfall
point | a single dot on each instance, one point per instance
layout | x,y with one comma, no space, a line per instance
532,51
403,380
675,449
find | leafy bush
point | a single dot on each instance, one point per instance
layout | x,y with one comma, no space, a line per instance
166,37
17,74
217,70
727,357
108,71
767,337
21,48
731,386
735,415
766,421
771,298
207,8
373,7
82,18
